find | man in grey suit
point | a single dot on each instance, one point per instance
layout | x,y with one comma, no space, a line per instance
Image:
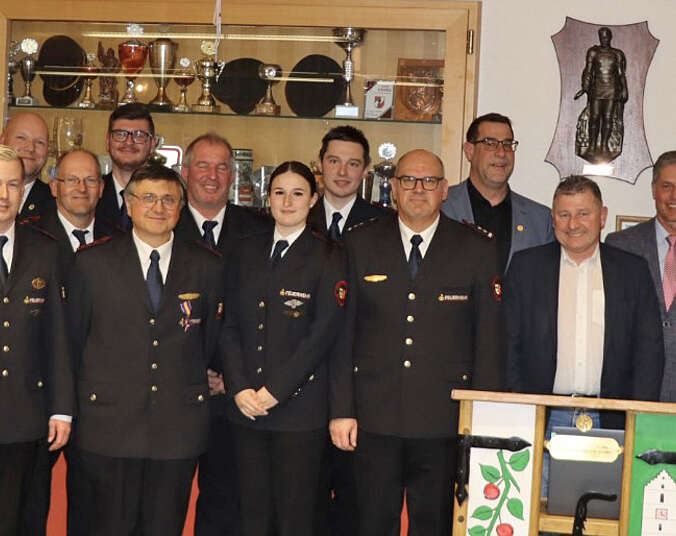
485,198
651,240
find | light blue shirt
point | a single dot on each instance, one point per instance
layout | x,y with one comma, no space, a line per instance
662,236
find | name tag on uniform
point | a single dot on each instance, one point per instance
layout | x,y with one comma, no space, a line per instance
375,278
453,297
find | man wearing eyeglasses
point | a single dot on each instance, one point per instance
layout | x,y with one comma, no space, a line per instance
486,199
130,140
27,134
210,218
77,189
145,309
421,322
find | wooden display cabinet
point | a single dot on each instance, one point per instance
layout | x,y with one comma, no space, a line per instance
431,30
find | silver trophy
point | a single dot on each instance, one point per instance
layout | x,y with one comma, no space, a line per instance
383,173
267,105
12,67
27,65
208,69
162,60
90,71
348,39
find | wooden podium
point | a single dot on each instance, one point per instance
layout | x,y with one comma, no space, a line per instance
524,415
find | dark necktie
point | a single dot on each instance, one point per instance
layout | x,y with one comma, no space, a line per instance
4,272
280,246
334,230
208,236
125,222
80,235
415,258
154,280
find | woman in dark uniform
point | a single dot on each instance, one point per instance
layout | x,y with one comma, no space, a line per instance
284,309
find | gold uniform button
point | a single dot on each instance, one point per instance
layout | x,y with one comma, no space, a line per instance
5,348
154,366
465,377
5,372
154,388
259,348
5,300
408,341
411,296
200,398
156,342
356,369
259,370
410,319
6,324
407,364
261,304
92,397
260,326
31,206
151,321
40,384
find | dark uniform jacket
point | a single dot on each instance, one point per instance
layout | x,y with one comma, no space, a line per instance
36,379
633,353
408,343
50,222
39,199
238,223
141,377
280,326
361,211
108,210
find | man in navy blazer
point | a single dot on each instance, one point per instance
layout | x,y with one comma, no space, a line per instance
486,199
650,241
582,317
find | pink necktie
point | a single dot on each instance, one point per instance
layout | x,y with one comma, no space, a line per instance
669,279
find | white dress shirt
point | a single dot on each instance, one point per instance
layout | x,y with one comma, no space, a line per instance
427,235
581,326
144,250
344,212
199,220
118,186
69,228
290,239
27,187
8,250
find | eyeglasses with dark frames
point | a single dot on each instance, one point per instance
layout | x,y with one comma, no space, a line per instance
491,144
409,182
137,136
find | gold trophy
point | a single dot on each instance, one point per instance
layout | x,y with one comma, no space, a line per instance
133,56
208,69
267,105
29,46
183,78
162,60
348,39
89,73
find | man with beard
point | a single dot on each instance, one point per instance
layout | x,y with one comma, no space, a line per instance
26,133
130,140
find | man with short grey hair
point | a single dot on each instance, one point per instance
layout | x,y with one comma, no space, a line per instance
209,217
654,241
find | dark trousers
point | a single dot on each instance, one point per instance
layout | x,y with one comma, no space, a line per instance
135,496
217,512
17,462
35,507
386,466
337,513
278,480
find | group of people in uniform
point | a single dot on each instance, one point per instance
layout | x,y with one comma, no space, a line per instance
304,360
